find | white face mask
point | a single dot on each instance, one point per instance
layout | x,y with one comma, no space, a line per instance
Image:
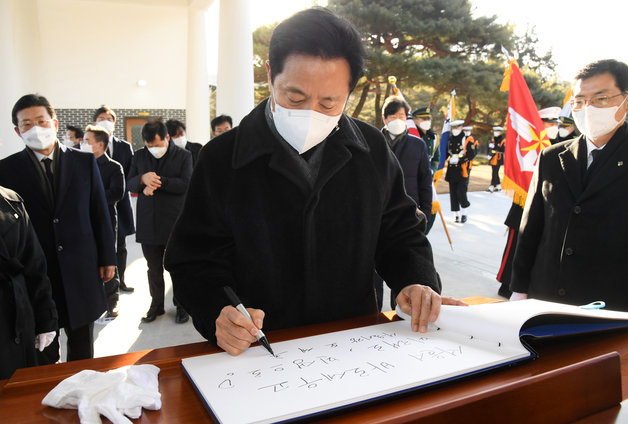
563,132
496,133
467,133
180,141
108,125
85,147
595,122
303,129
39,138
456,132
425,125
158,152
396,126
551,132
67,141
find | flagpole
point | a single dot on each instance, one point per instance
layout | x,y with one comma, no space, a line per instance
446,231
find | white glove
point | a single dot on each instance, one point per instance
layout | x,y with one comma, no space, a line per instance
491,145
114,394
43,340
518,296
454,160
461,155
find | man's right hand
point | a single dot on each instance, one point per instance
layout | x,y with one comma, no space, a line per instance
152,180
234,332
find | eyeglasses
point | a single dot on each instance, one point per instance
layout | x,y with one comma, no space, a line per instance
27,125
597,101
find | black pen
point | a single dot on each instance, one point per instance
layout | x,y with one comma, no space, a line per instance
235,301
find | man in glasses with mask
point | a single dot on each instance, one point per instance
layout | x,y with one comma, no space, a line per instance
572,239
296,206
64,196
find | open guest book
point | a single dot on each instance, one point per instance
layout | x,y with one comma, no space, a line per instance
322,373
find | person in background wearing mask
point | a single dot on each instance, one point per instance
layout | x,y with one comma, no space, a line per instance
176,131
28,315
65,199
572,240
460,152
296,206
496,148
422,118
96,141
160,174
549,116
73,136
221,124
411,152
122,152
566,129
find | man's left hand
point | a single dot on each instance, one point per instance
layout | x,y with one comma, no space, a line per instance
423,304
106,272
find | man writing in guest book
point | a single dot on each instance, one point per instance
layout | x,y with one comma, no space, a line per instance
298,205
573,237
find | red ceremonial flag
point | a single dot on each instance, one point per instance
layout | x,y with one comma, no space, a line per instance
525,135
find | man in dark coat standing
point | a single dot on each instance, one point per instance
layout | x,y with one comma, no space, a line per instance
28,316
176,131
63,194
96,141
122,152
572,240
296,206
160,174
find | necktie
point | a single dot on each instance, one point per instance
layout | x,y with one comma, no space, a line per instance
48,167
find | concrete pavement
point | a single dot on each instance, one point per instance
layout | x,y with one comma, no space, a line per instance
467,270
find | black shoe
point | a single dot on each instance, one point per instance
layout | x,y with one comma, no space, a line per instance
182,316
126,289
457,219
152,314
463,219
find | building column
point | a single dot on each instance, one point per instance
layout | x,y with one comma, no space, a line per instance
197,96
20,70
235,94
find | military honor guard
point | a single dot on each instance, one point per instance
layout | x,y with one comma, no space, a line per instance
460,155
496,157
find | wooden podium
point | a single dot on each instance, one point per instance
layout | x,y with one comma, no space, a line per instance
577,379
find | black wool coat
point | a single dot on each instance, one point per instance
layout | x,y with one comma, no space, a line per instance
302,254
411,152
113,183
156,214
74,228
193,148
573,239
123,154
26,305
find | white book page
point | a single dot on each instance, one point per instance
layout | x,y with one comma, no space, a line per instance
323,372
501,322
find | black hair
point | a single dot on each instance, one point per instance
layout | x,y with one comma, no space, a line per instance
392,105
31,100
104,109
173,126
153,128
101,134
619,71
220,120
78,133
317,32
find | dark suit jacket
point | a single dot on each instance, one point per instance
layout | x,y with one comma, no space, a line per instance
123,154
74,229
193,148
156,214
573,239
113,183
